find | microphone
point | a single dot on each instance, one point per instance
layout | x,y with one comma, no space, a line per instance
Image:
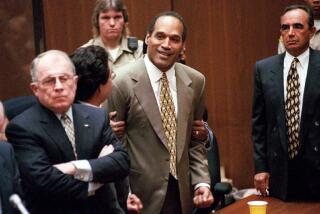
17,203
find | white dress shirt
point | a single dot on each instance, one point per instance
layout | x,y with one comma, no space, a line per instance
155,75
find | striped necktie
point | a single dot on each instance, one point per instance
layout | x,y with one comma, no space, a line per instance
68,127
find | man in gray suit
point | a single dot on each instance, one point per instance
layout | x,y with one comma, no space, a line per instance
169,166
286,113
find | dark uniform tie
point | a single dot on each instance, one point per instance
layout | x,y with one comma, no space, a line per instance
292,109
168,121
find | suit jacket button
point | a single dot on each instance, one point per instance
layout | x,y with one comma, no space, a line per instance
316,123
315,148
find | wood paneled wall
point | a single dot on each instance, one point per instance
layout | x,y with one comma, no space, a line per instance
16,47
68,23
225,38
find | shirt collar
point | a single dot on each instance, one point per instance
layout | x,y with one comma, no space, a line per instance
88,104
123,44
303,58
68,113
155,73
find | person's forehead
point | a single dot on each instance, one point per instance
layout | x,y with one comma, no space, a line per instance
168,23
111,11
53,65
296,15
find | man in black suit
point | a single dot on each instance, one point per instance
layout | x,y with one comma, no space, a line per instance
286,113
63,148
9,176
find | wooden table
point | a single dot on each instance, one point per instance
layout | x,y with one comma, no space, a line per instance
275,206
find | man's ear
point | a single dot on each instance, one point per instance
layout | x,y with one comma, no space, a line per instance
146,40
76,78
34,88
313,31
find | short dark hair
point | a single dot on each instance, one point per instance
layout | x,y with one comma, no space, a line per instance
91,64
306,8
102,5
151,25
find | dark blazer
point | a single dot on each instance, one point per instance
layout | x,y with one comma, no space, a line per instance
40,142
17,105
9,177
269,129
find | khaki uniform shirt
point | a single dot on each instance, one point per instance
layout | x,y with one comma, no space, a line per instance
124,56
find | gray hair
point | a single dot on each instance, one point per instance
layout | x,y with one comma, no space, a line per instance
58,53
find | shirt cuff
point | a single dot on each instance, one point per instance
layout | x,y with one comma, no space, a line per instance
92,187
83,170
201,185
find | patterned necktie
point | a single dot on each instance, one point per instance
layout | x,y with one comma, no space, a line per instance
168,121
292,109
68,127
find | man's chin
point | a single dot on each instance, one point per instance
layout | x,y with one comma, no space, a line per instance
60,108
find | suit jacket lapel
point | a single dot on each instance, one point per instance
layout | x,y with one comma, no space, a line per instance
184,96
311,93
276,78
54,129
144,93
83,131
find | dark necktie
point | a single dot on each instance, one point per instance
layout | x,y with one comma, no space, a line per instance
292,109
168,121
68,127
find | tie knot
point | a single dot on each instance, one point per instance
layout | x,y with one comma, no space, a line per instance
164,77
294,62
65,118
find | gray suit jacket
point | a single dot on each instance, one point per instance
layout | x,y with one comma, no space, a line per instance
134,100
269,129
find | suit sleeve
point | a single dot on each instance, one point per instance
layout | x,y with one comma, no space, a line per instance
259,125
114,166
117,102
36,169
15,173
197,152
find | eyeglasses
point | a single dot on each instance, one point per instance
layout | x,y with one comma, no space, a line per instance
50,82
